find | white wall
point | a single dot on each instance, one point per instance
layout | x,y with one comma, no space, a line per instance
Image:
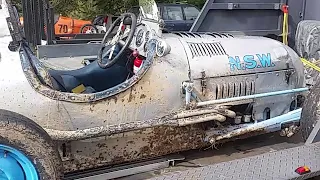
4,31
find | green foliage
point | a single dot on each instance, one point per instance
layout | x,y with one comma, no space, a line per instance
18,5
85,9
88,9
63,6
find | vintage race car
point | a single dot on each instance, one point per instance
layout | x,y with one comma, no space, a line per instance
140,94
66,25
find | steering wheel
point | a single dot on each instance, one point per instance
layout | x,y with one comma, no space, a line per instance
117,39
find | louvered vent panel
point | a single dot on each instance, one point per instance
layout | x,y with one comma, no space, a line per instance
234,89
206,49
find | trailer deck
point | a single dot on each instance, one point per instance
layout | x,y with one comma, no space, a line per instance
276,165
273,165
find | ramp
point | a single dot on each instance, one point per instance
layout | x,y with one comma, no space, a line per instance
279,165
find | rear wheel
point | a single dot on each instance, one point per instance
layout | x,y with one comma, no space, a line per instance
310,111
26,150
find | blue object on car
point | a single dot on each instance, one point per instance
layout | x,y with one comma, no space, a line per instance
16,165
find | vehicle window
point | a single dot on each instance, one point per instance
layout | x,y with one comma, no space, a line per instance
190,12
172,13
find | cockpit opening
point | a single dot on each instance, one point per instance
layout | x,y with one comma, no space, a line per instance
118,58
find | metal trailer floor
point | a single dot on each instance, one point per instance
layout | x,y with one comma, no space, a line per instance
279,165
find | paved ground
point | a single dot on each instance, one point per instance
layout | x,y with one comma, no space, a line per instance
226,152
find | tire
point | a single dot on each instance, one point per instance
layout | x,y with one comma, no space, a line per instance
13,47
310,111
26,136
307,38
88,25
307,41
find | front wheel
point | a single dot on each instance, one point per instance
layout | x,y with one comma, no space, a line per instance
26,150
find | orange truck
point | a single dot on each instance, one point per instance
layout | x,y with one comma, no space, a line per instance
66,25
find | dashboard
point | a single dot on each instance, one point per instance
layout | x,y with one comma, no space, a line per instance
144,32
142,35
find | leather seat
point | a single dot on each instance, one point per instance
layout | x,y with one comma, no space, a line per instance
90,76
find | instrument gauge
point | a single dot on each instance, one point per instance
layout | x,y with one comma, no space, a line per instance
139,38
147,36
162,48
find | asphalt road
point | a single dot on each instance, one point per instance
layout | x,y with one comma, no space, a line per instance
227,152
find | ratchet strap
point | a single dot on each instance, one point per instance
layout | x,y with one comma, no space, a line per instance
285,25
285,32
310,64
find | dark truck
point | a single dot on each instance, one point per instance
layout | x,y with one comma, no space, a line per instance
177,17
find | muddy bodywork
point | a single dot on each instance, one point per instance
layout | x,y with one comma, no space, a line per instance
133,146
158,111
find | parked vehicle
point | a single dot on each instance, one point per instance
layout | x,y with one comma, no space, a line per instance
66,25
103,22
177,17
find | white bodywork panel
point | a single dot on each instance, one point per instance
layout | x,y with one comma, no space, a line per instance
233,66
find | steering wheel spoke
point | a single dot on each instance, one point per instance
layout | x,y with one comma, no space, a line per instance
112,51
126,33
121,42
122,38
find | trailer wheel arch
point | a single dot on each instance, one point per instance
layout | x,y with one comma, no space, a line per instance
24,135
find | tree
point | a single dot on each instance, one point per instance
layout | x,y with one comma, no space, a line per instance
87,9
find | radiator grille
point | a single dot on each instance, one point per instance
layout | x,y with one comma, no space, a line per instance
206,49
229,90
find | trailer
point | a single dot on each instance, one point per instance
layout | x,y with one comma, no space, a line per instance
294,163
300,162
